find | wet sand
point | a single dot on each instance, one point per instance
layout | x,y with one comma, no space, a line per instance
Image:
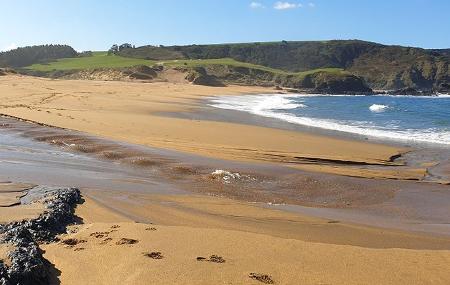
44,155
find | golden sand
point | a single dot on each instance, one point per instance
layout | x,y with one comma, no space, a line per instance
131,112
134,253
10,208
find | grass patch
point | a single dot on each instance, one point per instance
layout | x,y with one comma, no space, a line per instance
103,60
97,60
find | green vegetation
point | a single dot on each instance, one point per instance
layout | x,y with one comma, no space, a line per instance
97,60
382,67
285,63
103,60
35,54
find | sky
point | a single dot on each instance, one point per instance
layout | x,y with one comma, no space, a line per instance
96,25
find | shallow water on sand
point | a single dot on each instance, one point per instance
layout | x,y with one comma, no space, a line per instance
55,157
26,160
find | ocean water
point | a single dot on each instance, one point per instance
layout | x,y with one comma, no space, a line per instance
400,118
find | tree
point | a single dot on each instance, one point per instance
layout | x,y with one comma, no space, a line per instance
113,50
125,46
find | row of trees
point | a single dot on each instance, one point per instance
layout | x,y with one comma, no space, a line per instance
26,56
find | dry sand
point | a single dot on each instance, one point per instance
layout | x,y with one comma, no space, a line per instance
4,250
123,252
10,208
131,112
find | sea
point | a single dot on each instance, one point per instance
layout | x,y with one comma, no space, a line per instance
412,119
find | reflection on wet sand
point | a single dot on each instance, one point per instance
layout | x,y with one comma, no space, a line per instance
45,155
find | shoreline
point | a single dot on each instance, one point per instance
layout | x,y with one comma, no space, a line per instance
146,233
133,116
178,173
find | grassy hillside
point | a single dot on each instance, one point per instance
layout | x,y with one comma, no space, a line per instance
383,67
102,60
97,60
204,71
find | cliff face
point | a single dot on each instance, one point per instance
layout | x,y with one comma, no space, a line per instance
398,67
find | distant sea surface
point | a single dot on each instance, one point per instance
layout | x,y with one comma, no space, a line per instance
401,118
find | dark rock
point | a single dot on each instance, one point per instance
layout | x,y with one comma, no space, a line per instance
410,91
325,82
444,88
28,266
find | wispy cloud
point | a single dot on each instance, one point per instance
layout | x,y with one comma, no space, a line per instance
256,5
311,5
9,47
286,5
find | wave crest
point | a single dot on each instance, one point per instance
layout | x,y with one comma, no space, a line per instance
378,108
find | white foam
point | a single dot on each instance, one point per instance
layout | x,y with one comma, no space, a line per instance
377,108
226,176
265,105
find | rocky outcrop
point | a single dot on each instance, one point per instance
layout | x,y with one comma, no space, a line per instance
27,265
141,72
199,76
333,82
338,83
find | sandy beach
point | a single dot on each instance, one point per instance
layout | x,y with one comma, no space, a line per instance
153,215
136,253
134,112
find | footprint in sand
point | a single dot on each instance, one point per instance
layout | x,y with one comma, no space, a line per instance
213,258
263,278
154,255
123,241
106,240
99,234
71,242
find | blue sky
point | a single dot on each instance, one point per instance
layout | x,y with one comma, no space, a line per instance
97,24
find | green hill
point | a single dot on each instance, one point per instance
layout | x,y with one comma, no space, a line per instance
96,60
381,66
208,72
291,64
